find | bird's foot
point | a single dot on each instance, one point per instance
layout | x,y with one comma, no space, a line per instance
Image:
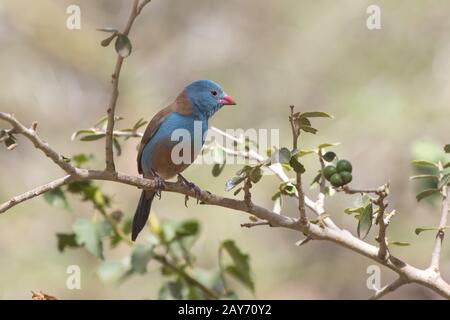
192,186
160,183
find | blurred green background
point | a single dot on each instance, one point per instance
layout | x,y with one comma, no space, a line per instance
387,89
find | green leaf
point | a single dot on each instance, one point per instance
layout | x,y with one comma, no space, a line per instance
233,182
288,188
93,137
425,176
296,165
316,114
188,227
99,199
304,121
10,142
424,163
240,268
141,122
304,152
398,243
171,290
113,271
363,201
426,193
140,257
278,203
82,132
217,169
3,135
209,278
107,41
81,159
329,156
447,165
282,155
237,191
308,129
57,198
365,221
447,148
316,178
117,147
358,210
326,145
256,174
90,235
108,29
422,229
66,240
123,45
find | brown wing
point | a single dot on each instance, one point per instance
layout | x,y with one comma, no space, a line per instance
180,105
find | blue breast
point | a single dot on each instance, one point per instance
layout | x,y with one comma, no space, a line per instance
175,127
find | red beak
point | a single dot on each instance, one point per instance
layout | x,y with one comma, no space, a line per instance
227,101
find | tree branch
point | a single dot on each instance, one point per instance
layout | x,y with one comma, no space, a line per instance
427,278
436,255
34,193
301,194
31,135
381,238
109,154
389,288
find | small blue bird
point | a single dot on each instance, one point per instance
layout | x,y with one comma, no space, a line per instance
196,103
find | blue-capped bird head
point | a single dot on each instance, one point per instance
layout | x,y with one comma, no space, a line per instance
207,97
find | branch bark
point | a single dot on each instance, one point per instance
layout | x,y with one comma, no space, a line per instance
389,288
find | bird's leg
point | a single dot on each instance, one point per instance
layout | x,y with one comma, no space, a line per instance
160,184
192,186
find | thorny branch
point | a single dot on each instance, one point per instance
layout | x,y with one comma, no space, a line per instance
436,255
428,277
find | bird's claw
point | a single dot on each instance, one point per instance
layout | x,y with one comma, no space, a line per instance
160,183
192,186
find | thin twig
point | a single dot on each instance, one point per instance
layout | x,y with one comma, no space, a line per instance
322,182
255,224
109,154
35,193
301,195
436,255
38,142
348,190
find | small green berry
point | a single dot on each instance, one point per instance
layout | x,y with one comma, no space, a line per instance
328,171
344,165
346,176
336,180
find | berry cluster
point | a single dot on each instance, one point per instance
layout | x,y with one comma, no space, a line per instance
339,175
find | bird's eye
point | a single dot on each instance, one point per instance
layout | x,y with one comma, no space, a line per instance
214,93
